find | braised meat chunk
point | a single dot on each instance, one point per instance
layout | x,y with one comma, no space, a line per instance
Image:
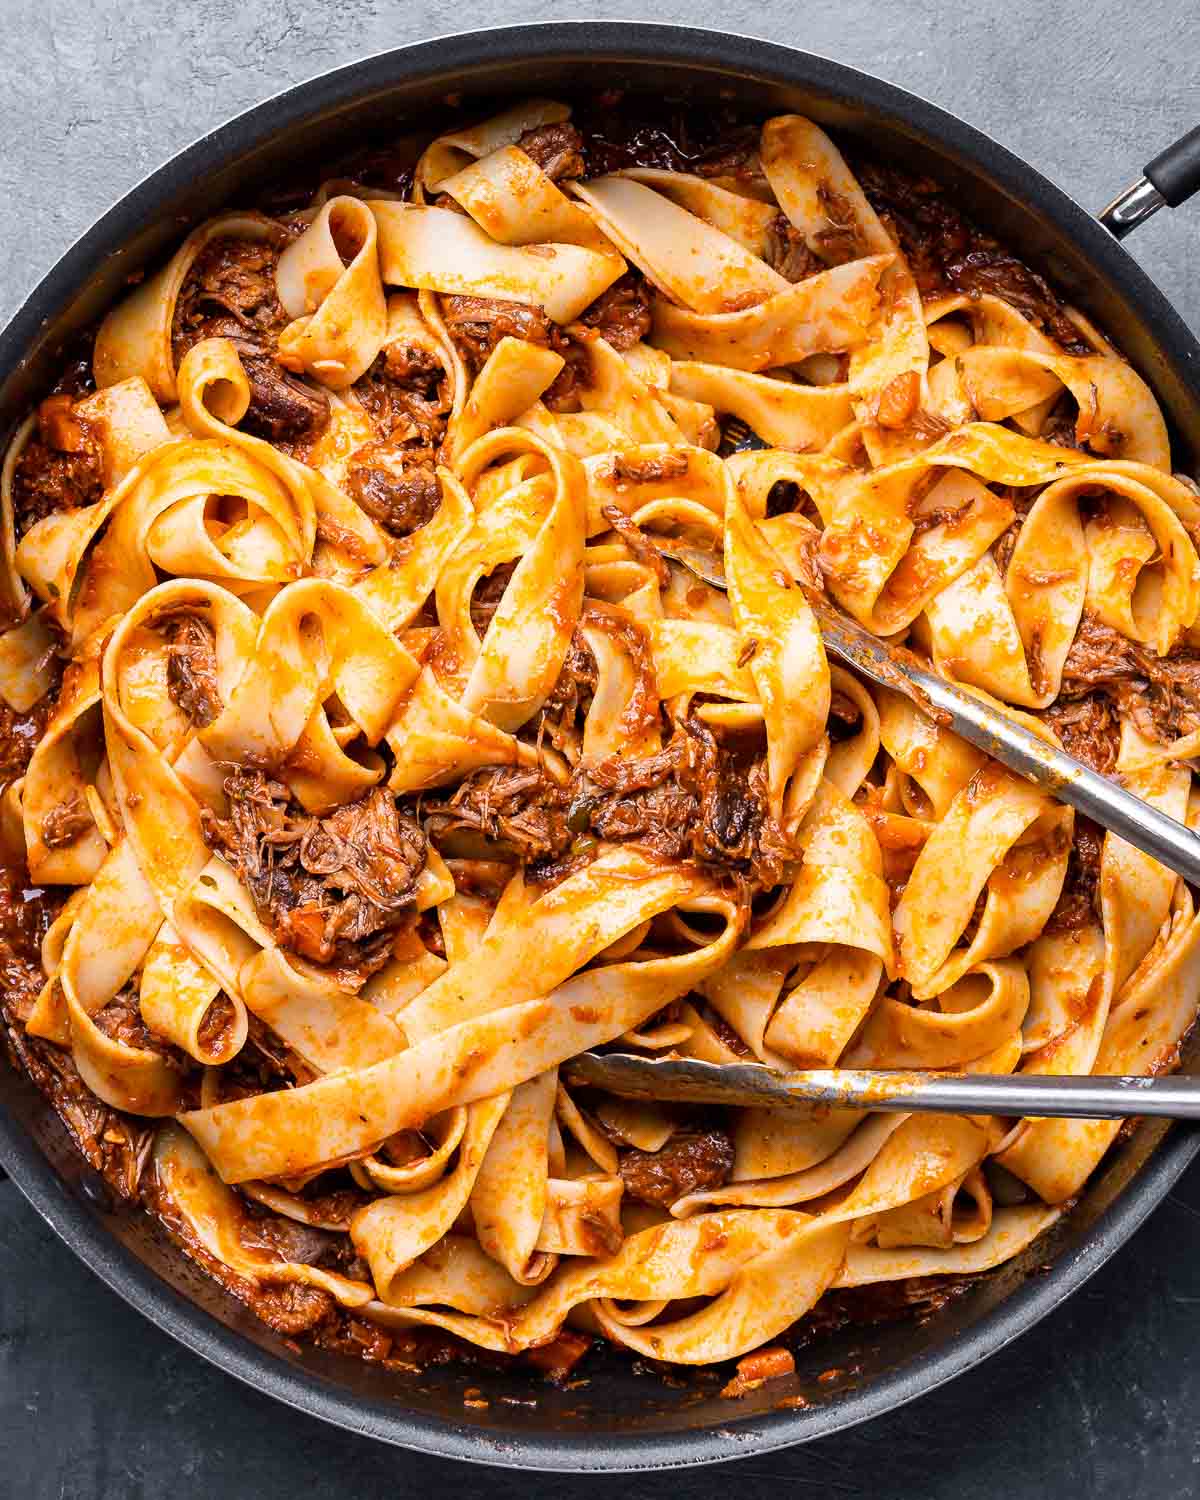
690,1162
557,149
787,252
333,889
60,467
396,485
192,668
621,314
63,824
406,395
1088,728
1079,900
234,278
1161,694
477,324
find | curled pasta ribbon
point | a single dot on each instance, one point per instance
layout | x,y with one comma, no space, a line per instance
879,565
439,250
110,936
223,507
829,312
1012,1231
522,652
787,664
180,1000
454,150
213,1216
838,907
135,338
1134,567
317,640
966,849
697,265
512,200
976,1015
462,1048
746,220
758,1287
515,375
660,482
511,1193
1118,416
332,531
326,1027
1144,918
329,284
819,194
785,414
987,320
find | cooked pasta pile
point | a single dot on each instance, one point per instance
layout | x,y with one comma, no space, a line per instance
400,754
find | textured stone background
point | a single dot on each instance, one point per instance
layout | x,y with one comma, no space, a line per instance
1101,1399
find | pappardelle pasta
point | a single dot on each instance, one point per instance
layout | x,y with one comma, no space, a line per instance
372,749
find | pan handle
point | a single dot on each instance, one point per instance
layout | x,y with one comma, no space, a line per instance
1169,180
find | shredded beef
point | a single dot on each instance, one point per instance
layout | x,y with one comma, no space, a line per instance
690,1162
1089,729
63,824
518,807
642,548
477,324
406,395
572,692
233,280
649,470
333,889
20,735
487,595
557,149
230,293
948,253
192,668
693,800
60,467
396,486
1079,901
787,252
121,1021
216,1025
114,1145
621,313
1161,694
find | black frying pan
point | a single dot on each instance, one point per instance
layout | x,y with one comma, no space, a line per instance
620,1420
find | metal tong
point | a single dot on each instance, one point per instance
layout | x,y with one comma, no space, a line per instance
755,1086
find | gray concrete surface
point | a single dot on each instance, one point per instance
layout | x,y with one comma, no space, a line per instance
1100,1400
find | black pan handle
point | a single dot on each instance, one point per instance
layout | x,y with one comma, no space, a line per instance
1169,180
